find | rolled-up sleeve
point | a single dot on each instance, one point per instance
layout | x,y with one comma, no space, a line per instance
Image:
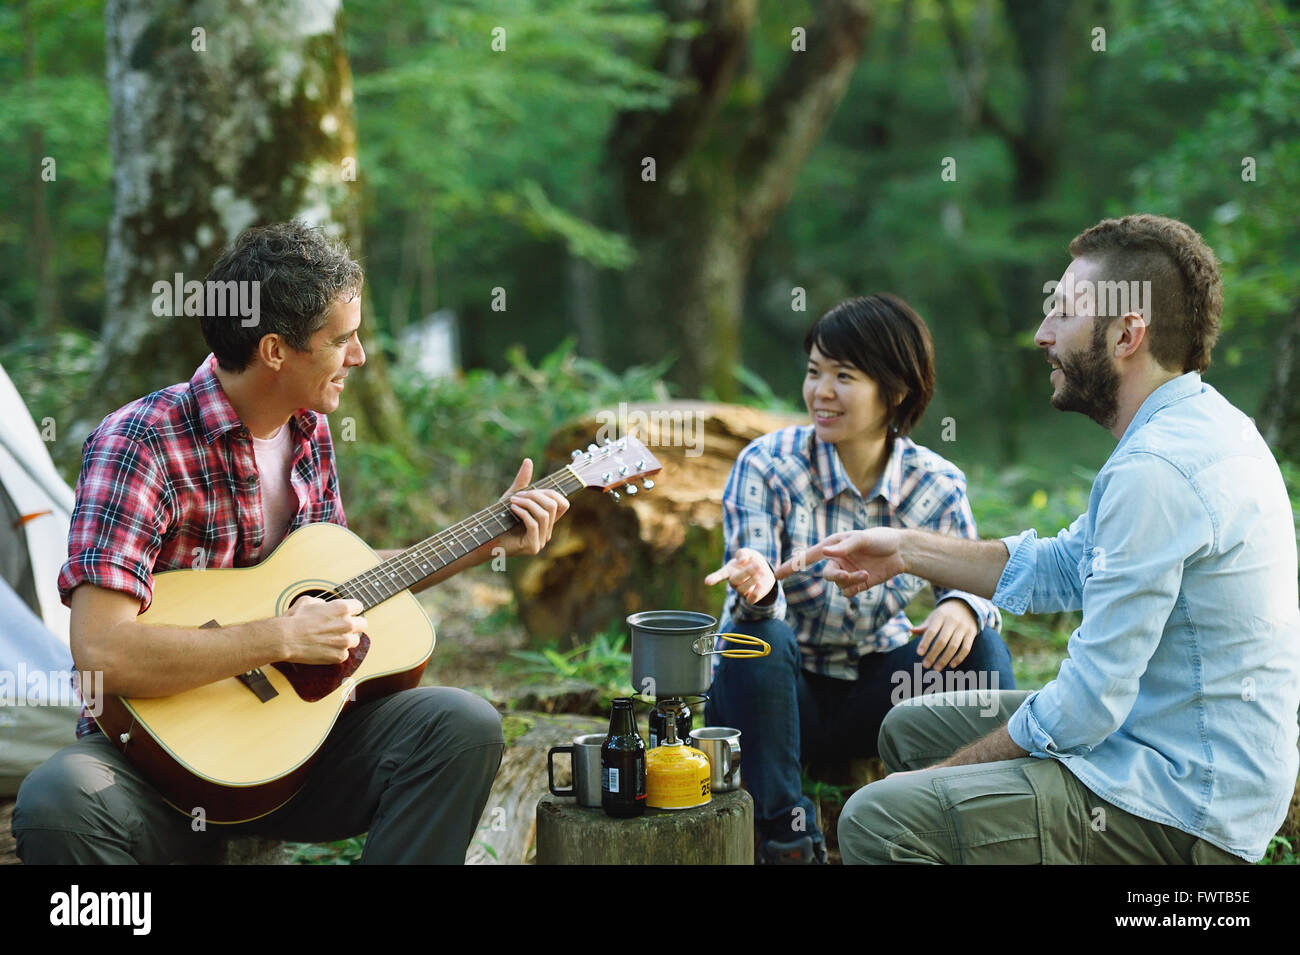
1042,576
750,519
1150,523
118,521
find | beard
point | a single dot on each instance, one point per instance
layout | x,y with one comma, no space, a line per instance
1090,382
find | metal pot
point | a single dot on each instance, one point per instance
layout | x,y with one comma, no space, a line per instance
671,650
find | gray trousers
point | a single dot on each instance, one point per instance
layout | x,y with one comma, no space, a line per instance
413,769
1019,811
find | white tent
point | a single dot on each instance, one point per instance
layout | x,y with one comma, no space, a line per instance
38,713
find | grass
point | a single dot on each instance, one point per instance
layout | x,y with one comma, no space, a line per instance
603,663
1281,851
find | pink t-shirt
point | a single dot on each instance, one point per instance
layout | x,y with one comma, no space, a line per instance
279,502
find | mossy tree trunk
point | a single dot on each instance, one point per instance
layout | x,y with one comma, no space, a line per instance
225,115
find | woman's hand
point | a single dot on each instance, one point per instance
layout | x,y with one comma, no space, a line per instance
748,573
948,634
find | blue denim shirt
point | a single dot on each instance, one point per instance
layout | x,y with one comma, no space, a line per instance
1177,701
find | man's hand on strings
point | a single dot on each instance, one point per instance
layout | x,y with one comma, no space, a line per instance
537,509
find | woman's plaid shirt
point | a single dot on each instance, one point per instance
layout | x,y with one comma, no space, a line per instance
787,491
169,481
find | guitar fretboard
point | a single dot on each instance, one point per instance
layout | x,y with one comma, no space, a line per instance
404,570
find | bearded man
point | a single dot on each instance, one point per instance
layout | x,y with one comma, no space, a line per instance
1169,733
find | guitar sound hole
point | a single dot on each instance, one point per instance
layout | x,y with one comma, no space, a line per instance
316,592
314,681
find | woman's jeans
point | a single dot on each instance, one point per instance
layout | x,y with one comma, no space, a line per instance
788,716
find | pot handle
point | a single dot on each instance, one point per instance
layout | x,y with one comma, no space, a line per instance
755,646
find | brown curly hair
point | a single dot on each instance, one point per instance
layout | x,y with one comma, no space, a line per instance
1186,289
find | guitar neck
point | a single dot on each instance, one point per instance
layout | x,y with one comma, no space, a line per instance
404,570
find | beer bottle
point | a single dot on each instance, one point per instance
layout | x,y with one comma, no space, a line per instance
622,764
659,722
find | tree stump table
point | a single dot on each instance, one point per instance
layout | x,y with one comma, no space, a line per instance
720,832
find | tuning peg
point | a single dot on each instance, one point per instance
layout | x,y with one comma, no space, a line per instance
592,449
608,441
647,483
640,465
630,488
576,455
615,495
624,470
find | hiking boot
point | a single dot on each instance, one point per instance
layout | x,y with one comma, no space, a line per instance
803,851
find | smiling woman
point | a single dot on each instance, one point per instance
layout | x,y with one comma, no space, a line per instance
838,663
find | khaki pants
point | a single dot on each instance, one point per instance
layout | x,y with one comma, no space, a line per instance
1020,811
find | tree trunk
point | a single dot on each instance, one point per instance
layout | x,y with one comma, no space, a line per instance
1040,31
724,165
224,115
1279,412
42,248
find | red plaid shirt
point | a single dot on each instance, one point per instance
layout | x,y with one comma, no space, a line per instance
169,481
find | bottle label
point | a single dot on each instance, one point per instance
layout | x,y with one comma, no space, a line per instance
611,779
654,740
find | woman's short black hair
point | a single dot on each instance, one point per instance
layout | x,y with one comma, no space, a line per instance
884,338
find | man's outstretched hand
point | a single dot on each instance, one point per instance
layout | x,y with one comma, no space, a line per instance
855,560
538,510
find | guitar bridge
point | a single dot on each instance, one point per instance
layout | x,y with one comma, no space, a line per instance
256,681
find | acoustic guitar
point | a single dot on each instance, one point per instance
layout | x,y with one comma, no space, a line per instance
241,747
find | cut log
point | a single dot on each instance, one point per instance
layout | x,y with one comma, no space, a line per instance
721,832
506,830
651,551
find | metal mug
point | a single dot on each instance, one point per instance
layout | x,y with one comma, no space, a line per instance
722,745
584,753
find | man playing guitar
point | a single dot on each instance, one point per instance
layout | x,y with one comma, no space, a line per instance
215,472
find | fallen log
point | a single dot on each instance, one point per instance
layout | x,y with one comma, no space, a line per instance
653,550
507,828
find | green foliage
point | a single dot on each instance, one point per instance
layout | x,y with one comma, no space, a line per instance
486,158
602,662
60,112
825,792
1280,851
472,431
342,852
53,373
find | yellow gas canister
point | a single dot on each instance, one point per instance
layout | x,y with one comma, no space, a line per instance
677,777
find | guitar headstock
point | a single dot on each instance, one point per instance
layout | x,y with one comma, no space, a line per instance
615,465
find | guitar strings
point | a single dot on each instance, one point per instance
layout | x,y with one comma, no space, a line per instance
375,584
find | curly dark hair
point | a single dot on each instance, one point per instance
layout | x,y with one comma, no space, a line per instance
1186,288
302,273
884,338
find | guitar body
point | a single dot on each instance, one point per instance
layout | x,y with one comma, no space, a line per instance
239,751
